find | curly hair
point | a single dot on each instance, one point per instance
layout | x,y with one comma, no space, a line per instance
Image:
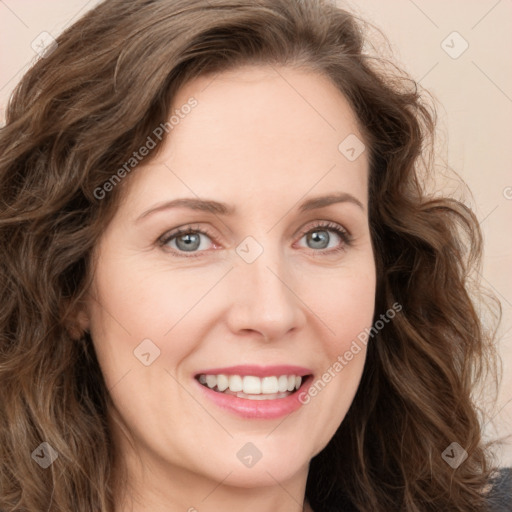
82,111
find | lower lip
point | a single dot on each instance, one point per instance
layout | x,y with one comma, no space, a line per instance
257,409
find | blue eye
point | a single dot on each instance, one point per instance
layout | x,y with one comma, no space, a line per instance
194,241
185,240
320,239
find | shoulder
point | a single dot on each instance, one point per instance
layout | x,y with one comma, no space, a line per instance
500,496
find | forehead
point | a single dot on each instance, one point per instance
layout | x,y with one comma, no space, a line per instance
257,130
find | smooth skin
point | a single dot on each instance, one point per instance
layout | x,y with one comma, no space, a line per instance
262,140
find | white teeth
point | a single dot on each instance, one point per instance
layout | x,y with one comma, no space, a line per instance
282,383
222,382
269,385
251,385
235,383
211,381
272,396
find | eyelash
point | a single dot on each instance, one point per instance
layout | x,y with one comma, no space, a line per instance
325,225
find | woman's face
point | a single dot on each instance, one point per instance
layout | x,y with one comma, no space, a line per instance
272,275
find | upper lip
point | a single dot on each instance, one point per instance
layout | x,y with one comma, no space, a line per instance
258,371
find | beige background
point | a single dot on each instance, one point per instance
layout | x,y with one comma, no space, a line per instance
474,92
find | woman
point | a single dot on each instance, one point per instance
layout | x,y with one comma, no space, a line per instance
223,284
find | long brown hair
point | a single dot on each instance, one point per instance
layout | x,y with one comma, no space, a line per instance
82,111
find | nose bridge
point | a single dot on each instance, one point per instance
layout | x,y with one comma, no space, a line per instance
266,278
264,299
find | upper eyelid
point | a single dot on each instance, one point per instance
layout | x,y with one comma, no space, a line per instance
326,224
189,228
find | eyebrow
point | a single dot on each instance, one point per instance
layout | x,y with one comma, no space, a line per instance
215,207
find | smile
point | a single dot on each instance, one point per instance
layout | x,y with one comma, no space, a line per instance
255,392
251,387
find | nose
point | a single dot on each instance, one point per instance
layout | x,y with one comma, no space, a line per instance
264,299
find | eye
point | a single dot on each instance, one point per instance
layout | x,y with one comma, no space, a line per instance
192,240
320,237
186,239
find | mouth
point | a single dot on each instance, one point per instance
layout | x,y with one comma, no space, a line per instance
255,392
252,387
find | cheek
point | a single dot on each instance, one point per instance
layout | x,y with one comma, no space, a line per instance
343,305
135,302
354,310
343,302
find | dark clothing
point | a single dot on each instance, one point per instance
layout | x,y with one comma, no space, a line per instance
500,498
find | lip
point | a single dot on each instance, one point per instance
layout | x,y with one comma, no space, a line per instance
257,409
258,371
